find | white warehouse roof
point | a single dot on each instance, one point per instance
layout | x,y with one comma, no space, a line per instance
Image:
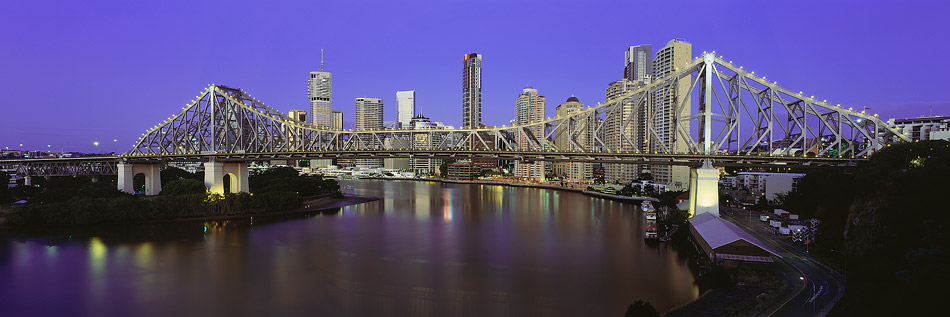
718,232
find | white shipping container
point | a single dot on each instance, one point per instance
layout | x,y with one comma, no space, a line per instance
796,227
780,212
775,223
784,230
793,216
764,218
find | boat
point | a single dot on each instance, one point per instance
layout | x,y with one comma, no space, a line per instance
649,232
648,210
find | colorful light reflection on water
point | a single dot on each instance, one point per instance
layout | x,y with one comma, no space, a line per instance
424,249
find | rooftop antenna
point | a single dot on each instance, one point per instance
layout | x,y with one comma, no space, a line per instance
321,59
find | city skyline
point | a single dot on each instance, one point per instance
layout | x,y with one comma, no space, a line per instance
156,57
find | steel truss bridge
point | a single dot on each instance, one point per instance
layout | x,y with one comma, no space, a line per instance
740,119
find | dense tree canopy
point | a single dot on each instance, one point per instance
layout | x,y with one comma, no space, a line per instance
184,186
890,218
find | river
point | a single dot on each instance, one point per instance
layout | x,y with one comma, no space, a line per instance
425,249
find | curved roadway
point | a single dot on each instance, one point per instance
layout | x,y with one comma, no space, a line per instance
815,286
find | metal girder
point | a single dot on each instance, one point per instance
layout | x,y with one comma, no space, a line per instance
749,115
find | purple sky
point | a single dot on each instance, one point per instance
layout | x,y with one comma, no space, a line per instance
74,72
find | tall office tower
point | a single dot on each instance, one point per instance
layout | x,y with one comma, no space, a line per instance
624,130
472,91
529,108
580,131
405,107
320,93
638,62
369,116
666,118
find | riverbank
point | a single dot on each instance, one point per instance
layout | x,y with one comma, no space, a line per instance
314,204
540,186
125,210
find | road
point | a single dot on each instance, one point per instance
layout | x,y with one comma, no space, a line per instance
818,285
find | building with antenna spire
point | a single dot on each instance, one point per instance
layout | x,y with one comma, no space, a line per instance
320,93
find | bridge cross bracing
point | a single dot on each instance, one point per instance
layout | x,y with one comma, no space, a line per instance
739,114
739,118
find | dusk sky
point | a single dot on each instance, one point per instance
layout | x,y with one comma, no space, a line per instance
74,72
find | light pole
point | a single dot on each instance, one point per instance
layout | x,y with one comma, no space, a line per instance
114,144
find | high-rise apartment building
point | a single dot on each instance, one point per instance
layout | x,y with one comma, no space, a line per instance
369,116
298,115
667,117
405,107
638,62
422,141
471,91
529,108
624,130
580,131
320,89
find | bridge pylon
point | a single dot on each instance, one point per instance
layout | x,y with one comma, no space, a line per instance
152,173
704,190
235,173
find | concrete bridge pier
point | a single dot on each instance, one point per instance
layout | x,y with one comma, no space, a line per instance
152,173
235,173
28,181
704,190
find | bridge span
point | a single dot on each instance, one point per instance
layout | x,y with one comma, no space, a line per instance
741,120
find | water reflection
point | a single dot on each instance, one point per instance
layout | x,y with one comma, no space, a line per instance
426,249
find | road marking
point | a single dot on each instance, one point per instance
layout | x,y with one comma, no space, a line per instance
812,299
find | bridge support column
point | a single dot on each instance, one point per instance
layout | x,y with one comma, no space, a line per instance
28,181
215,172
152,173
704,190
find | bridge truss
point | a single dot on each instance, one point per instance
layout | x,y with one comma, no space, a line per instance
737,114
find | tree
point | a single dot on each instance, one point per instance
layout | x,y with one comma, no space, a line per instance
627,190
4,188
173,173
99,190
645,176
641,308
184,187
649,190
444,168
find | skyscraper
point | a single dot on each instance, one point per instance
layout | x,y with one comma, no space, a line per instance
369,116
336,122
405,107
471,91
580,131
320,96
529,108
624,130
638,62
299,116
666,118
